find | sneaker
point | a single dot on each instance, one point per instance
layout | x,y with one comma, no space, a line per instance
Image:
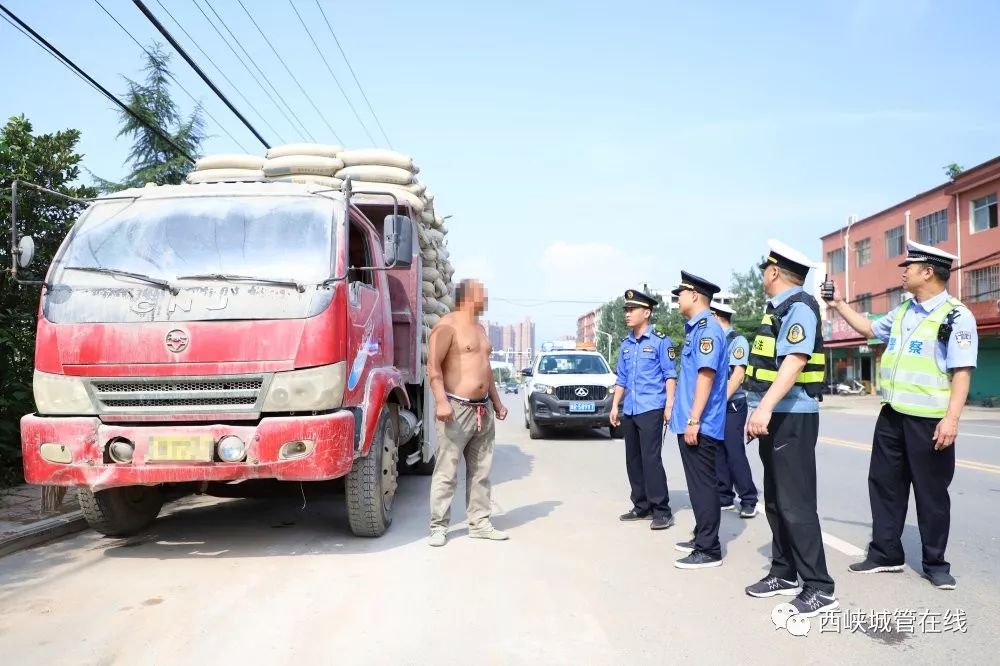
489,533
698,560
661,523
942,580
748,511
684,546
869,567
772,586
811,603
728,507
633,515
437,538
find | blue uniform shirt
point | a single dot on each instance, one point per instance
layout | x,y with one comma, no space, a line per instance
962,348
644,366
796,400
704,347
738,351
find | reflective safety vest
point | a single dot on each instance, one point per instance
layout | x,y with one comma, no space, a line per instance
912,382
763,361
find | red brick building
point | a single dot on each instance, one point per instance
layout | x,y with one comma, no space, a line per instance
960,217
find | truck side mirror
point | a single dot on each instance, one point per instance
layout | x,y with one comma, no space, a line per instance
25,251
397,233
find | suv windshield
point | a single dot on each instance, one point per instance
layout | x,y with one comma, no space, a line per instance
273,237
573,364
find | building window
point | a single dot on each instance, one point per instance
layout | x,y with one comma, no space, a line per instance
894,297
983,284
895,244
864,303
984,213
933,229
835,260
863,251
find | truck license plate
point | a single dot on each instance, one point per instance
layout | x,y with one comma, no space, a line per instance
582,408
180,448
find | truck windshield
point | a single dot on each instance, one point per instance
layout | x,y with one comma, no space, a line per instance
573,364
282,239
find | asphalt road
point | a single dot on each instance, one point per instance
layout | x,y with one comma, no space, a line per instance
266,581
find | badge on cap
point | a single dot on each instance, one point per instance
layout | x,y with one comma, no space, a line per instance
796,334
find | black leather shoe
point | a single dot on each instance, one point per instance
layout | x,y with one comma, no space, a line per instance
661,523
632,515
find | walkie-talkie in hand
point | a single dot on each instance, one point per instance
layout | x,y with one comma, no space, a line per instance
826,289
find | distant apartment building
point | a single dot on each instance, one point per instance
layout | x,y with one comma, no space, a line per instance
512,343
586,326
959,217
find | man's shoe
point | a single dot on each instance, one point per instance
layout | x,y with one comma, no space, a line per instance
748,511
632,515
811,603
772,586
661,523
698,560
684,546
942,580
728,507
489,533
869,567
437,538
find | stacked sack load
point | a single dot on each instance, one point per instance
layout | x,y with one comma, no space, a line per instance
370,170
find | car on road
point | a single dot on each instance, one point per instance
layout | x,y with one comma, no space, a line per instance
568,389
510,387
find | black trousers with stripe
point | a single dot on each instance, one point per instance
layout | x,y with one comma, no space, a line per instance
788,453
903,455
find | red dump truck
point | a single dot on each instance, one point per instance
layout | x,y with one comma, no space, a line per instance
194,337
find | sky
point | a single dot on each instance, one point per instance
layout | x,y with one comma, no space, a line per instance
582,148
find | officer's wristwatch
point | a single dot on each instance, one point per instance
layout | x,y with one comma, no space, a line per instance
693,422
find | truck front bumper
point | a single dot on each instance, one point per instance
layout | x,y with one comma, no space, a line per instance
84,440
549,411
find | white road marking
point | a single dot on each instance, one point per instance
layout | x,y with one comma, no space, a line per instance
842,546
963,433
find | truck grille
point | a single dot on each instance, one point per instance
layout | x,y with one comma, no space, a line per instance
178,395
596,393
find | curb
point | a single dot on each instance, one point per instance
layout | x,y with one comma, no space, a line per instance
42,531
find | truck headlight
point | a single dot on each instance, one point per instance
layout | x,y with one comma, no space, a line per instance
61,394
309,390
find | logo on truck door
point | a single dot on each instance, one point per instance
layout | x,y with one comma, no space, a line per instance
177,341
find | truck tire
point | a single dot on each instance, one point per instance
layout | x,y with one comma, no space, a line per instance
535,431
371,484
120,511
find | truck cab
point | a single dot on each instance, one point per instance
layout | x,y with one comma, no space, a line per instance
199,336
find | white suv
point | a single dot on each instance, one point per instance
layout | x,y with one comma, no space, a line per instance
568,389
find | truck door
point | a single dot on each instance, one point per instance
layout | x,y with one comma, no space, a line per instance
365,318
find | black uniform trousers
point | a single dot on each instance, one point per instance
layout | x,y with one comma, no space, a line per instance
788,453
644,463
702,483
903,455
731,464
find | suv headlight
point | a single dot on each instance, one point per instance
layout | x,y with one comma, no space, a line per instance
543,388
61,394
310,390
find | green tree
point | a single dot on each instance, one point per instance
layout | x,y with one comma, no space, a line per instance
953,170
51,161
152,159
748,299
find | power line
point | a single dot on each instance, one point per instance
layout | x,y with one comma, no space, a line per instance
58,55
288,69
264,76
204,77
174,79
245,66
337,41
330,69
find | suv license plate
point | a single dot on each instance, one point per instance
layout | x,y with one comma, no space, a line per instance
582,408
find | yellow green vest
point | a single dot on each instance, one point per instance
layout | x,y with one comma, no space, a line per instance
912,382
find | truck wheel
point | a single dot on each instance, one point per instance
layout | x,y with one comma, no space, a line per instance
371,484
120,511
534,430
616,432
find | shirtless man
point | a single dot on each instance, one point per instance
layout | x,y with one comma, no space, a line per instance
458,366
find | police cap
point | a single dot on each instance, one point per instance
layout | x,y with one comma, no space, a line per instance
925,254
722,309
636,299
787,257
695,283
